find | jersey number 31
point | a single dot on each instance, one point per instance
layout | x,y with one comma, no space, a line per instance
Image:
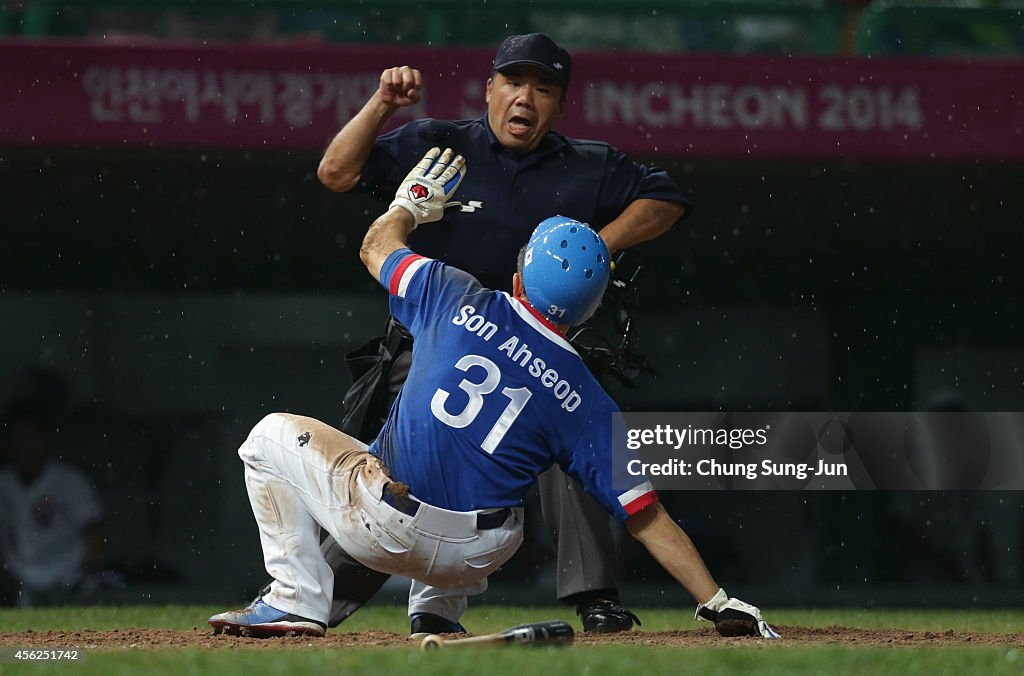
476,391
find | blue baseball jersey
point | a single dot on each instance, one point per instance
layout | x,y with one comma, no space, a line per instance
505,195
495,396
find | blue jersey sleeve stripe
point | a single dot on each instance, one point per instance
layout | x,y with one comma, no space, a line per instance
407,275
399,269
637,498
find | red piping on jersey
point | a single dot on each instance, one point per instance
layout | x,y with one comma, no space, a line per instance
396,276
645,500
544,320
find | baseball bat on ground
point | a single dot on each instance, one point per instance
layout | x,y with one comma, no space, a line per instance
551,632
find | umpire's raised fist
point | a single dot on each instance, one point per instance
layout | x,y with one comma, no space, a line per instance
400,86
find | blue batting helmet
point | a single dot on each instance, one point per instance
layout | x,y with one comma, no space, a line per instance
565,270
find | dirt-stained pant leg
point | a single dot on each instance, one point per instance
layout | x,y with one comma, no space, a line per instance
379,376
296,474
302,474
290,538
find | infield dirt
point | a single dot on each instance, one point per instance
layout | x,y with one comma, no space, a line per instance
203,638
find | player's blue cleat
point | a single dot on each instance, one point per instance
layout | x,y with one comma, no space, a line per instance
263,621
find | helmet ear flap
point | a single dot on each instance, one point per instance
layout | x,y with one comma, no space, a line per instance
566,270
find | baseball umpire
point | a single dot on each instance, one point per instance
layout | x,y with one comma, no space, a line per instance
522,172
495,395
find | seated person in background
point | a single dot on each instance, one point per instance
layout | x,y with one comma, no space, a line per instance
49,533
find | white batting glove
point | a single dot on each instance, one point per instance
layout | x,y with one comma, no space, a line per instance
426,190
733,617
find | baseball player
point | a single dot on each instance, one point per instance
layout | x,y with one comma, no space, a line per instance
522,173
495,395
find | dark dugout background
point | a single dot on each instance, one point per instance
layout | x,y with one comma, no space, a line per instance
173,298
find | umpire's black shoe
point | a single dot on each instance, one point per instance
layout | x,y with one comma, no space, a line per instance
605,616
428,623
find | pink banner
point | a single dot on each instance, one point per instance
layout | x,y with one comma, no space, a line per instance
288,96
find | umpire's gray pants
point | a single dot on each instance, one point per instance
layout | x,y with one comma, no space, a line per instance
581,533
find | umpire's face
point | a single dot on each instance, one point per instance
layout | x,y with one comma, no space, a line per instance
523,103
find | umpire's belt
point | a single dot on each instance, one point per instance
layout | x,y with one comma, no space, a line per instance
484,520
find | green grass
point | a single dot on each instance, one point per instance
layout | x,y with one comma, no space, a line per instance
599,660
602,661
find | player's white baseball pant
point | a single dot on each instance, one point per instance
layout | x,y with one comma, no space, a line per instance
302,474
448,603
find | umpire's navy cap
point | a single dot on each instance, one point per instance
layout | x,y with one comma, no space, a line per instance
535,49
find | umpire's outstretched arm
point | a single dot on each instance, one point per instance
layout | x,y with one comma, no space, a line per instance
342,163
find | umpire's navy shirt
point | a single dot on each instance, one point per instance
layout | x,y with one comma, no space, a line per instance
505,195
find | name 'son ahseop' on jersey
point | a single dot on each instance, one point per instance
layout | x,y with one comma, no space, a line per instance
519,352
